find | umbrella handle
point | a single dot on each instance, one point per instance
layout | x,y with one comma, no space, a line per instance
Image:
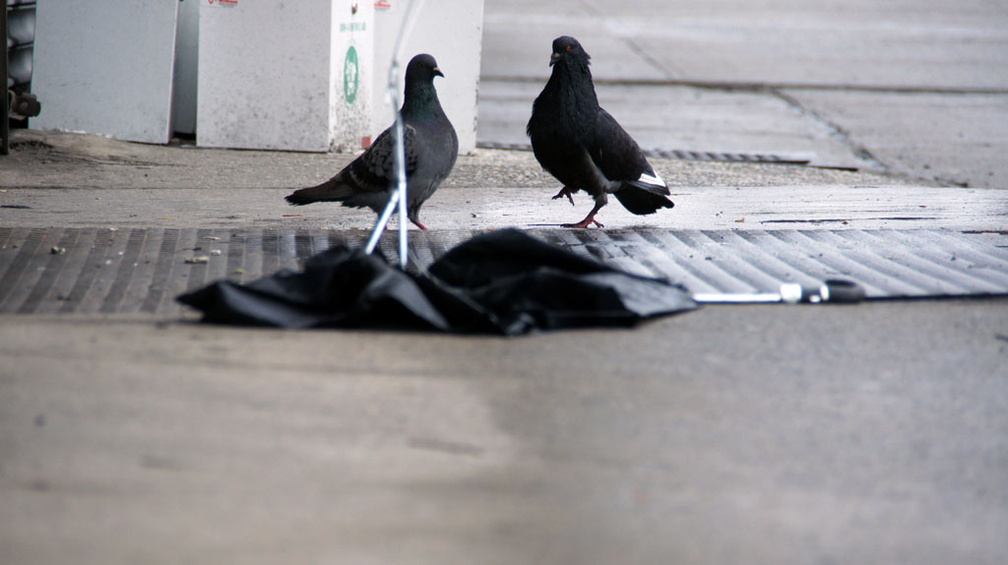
841,291
837,291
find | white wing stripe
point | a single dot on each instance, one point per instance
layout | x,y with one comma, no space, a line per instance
649,179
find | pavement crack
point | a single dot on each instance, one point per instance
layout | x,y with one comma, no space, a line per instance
839,133
666,71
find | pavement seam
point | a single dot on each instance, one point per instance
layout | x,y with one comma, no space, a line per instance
743,86
859,151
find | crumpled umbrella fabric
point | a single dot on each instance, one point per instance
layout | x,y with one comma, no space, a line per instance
503,282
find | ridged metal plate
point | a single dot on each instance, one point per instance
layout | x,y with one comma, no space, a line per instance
683,154
90,270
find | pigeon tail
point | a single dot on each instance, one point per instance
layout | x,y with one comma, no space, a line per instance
642,202
332,189
297,198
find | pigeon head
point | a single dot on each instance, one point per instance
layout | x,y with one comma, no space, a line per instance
422,69
568,51
421,99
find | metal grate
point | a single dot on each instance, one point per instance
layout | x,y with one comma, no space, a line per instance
94,270
682,154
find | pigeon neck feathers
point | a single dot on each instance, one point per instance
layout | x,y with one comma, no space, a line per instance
573,78
571,94
421,101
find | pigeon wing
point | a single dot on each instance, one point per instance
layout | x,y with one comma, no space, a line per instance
375,169
619,157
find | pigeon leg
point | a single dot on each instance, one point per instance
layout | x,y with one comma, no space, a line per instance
414,217
589,219
585,223
391,226
566,191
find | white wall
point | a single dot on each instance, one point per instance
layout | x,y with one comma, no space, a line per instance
451,31
350,111
251,74
270,74
105,67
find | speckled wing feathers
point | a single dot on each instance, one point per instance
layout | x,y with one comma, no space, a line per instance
375,169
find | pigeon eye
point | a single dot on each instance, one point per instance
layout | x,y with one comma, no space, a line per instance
568,48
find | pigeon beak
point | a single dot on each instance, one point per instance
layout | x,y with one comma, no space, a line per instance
554,58
437,72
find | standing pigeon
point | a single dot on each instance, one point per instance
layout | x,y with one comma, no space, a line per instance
430,144
583,146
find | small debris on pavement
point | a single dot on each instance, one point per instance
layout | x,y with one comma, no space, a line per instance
198,260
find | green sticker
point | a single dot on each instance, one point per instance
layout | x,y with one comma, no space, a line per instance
351,75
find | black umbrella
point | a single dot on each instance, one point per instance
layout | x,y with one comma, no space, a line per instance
503,282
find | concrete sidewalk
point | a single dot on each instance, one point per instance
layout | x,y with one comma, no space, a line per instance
871,433
732,434
71,180
916,88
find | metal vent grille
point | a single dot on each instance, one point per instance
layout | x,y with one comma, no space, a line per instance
95,270
682,154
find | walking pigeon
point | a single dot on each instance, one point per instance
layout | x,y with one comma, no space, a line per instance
430,144
583,146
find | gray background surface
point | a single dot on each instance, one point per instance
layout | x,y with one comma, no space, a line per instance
875,433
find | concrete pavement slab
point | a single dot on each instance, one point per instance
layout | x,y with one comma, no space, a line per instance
676,117
929,44
697,207
77,180
955,139
925,62
67,160
517,39
863,45
732,434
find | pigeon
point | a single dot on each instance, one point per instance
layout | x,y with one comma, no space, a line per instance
430,143
583,146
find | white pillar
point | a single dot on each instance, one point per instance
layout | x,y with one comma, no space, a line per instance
105,67
451,31
291,75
